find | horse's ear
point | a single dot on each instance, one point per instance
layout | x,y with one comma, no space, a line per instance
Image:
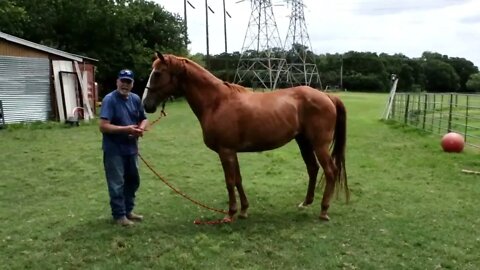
160,56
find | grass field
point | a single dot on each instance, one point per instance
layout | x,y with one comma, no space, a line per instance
411,206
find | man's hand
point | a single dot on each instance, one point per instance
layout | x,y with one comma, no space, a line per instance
134,130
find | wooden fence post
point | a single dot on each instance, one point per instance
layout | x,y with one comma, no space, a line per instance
433,110
441,113
394,107
425,111
466,119
450,113
406,108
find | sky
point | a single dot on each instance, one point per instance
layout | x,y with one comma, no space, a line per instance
410,27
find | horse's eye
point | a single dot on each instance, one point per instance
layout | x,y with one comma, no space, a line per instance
157,73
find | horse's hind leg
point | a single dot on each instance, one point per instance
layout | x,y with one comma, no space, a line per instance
308,155
329,168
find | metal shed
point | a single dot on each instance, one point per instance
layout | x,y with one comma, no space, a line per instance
39,83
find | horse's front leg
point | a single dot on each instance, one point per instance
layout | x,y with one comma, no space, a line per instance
230,166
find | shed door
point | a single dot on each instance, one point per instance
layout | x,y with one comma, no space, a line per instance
25,88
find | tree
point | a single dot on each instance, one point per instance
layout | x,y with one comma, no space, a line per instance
440,77
462,66
473,84
434,56
406,79
417,73
365,72
464,69
13,18
393,63
365,63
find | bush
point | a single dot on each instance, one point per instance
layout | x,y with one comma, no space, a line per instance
473,83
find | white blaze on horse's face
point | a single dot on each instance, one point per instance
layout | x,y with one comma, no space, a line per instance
148,99
145,92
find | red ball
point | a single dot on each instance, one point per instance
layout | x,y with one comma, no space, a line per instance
453,142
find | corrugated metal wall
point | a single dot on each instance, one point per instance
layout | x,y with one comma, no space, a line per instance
25,88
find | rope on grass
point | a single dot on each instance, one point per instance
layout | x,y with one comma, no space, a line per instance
197,221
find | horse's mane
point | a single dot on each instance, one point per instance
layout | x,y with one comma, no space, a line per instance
230,86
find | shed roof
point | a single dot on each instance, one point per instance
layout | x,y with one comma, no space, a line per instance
43,48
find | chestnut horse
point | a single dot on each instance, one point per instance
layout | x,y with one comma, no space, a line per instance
234,119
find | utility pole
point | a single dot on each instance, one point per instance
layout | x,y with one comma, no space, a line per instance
341,73
185,2
225,25
225,14
207,60
207,8
185,19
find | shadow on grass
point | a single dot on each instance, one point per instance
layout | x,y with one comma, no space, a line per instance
259,222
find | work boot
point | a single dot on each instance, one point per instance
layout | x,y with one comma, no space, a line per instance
123,221
135,217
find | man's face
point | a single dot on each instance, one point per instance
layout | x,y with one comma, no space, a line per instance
124,86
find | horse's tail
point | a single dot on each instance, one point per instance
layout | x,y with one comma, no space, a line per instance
339,146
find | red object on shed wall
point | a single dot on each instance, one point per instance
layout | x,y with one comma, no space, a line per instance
91,89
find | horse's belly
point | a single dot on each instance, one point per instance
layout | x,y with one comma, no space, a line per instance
249,139
265,139
259,147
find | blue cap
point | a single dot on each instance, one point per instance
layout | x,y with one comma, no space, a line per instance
125,74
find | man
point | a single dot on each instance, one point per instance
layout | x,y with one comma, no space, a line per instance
122,122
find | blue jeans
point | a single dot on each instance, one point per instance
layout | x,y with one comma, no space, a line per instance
123,181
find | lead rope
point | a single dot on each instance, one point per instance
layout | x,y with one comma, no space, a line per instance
197,221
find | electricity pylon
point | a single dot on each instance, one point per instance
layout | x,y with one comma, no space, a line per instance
301,66
262,58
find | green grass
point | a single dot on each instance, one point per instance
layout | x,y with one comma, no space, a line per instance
411,207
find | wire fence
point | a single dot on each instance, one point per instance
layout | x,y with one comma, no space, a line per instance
440,113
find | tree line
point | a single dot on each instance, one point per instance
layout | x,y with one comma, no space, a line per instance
367,71
125,33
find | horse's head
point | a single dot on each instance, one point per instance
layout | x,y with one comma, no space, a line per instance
163,82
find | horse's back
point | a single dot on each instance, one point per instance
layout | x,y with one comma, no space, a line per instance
311,107
310,99
297,92
302,99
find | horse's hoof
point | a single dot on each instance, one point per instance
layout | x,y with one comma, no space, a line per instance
324,217
243,215
303,205
227,219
